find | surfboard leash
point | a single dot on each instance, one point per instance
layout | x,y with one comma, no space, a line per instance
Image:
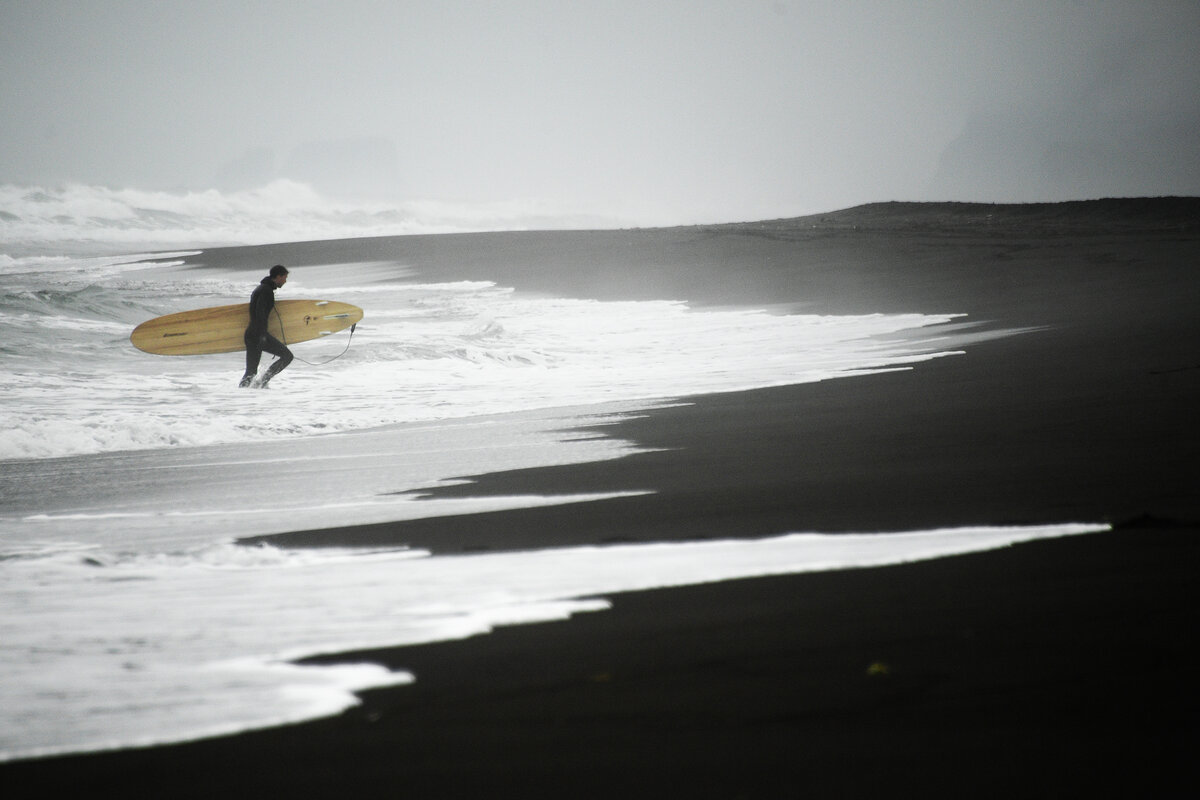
283,338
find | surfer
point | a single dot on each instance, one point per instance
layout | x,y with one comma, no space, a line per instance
258,339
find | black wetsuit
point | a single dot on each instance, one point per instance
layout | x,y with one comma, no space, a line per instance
262,302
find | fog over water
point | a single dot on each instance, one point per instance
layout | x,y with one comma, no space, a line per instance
605,113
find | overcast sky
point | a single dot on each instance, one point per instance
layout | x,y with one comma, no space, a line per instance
653,110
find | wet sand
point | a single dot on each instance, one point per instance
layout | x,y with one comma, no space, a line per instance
1046,669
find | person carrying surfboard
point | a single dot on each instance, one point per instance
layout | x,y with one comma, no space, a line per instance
258,339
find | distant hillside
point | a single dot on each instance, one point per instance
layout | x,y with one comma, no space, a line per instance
1114,214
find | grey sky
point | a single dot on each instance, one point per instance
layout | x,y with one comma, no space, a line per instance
655,110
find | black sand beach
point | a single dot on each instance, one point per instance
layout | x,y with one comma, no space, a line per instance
1058,668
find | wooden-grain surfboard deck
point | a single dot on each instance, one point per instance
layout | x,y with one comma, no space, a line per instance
221,329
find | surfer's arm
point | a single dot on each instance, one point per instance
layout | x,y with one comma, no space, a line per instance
260,308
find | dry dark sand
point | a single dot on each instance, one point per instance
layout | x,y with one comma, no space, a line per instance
1051,669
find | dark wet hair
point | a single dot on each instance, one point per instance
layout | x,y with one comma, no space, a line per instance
278,269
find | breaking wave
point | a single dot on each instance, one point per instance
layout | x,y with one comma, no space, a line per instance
35,219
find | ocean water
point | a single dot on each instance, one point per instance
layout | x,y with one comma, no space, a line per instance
130,616
90,220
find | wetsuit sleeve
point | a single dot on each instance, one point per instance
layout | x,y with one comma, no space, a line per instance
260,309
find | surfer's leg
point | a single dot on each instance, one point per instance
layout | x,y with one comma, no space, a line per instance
276,348
253,355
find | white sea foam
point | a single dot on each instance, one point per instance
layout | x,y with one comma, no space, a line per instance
32,218
433,351
123,476
149,649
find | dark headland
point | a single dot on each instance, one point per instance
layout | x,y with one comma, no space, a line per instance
1061,668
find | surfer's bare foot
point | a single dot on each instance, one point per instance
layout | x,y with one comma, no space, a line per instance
245,382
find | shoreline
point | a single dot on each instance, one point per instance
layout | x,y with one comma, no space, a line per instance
884,452
917,678
1040,669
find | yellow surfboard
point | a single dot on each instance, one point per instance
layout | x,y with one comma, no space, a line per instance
221,329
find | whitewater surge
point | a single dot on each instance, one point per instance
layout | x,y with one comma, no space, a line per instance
206,647
131,618
423,352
